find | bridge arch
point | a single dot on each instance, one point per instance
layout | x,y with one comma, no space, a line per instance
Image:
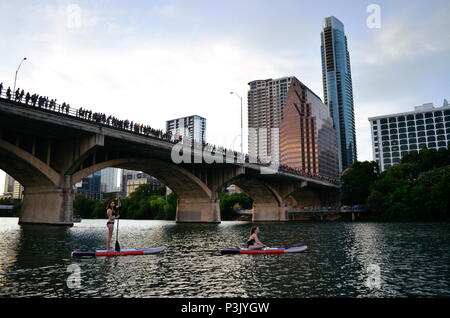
195,200
28,170
267,202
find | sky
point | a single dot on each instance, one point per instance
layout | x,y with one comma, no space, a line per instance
151,61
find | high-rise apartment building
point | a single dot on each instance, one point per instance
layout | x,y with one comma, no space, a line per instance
337,88
307,137
192,128
395,135
266,103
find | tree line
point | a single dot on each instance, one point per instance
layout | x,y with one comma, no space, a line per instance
417,189
148,204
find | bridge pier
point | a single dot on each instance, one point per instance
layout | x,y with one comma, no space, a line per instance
266,212
198,211
47,206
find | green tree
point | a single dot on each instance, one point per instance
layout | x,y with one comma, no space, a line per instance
356,182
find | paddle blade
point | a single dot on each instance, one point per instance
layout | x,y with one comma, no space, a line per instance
117,246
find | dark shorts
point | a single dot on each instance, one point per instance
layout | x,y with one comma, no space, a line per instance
109,222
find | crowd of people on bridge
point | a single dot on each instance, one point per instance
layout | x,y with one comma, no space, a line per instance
45,102
308,174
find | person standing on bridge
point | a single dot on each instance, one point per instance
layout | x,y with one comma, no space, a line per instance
253,242
111,210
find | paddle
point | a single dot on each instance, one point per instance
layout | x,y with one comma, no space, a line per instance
117,237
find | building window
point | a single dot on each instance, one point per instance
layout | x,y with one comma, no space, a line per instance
419,115
420,122
401,124
401,118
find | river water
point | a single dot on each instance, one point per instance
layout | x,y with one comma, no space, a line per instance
344,259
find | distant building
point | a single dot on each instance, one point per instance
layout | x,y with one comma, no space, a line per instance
395,135
191,128
266,103
108,180
9,184
13,189
307,137
337,88
90,187
131,180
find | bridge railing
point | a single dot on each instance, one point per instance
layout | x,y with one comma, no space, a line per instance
44,103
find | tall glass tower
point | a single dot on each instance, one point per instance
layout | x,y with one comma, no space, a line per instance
337,88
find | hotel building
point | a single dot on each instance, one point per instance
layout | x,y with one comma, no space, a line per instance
393,136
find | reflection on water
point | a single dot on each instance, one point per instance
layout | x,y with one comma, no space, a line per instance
413,259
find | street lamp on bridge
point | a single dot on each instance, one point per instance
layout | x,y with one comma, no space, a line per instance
17,71
242,125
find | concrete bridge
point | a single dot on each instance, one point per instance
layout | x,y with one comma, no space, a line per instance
49,150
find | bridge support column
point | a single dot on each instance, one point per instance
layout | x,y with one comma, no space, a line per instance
198,211
269,212
47,206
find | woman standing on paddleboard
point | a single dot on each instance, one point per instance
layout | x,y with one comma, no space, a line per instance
254,242
112,212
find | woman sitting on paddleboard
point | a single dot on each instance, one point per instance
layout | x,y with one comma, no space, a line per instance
111,210
254,242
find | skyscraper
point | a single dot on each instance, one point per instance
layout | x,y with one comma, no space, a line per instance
266,103
307,136
337,88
